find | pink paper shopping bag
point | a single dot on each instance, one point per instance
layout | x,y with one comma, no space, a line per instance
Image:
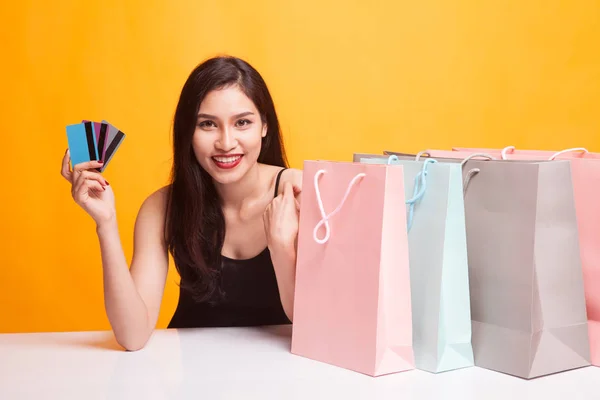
352,306
585,170
505,153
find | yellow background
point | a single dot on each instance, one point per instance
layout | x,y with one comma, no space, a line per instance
346,76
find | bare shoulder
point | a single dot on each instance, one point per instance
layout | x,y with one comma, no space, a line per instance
157,200
290,175
153,209
293,176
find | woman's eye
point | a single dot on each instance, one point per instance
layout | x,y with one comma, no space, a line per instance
206,124
243,122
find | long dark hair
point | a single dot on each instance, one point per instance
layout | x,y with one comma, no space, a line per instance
195,224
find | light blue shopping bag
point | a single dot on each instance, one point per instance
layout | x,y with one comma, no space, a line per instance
438,261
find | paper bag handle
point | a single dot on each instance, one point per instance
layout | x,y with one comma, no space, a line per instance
506,150
420,154
582,149
324,217
473,171
419,188
512,148
483,155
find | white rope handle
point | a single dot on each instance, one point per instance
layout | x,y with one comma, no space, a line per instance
484,155
584,150
473,171
421,153
506,150
324,217
468,177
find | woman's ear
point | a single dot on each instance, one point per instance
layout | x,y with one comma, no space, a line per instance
264,130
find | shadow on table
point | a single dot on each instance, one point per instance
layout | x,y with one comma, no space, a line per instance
281,335
277,335
107,343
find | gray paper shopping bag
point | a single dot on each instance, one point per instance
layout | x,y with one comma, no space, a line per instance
527,293
526,281
438,263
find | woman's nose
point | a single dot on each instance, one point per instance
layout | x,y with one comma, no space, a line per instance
226,140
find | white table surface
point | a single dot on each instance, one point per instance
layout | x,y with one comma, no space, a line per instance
238,363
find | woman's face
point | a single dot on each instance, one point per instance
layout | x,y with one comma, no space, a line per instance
228,135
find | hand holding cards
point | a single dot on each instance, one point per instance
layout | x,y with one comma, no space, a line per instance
92,145
93,141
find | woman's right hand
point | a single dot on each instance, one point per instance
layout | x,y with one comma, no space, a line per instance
89,189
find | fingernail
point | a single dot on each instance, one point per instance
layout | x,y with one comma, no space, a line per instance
100,161
107,184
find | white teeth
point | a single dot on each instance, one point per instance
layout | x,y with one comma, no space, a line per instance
227,159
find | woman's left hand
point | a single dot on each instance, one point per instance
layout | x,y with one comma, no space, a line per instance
281,219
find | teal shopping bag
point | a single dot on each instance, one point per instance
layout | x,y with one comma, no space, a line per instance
438,261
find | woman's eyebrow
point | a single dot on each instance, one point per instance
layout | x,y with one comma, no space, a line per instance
240,115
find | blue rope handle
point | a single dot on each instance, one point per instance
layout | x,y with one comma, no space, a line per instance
419,187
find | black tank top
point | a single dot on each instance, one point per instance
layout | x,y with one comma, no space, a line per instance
251,296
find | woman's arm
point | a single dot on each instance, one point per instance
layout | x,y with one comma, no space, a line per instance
132,296
284,263
281,224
